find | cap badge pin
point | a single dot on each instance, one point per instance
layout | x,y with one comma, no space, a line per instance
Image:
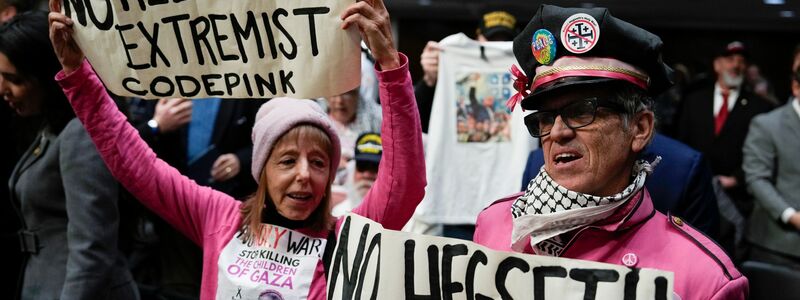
543,45
580,33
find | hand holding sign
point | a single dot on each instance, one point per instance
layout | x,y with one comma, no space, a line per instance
375,26
67,50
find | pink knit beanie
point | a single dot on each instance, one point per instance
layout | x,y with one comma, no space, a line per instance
278,116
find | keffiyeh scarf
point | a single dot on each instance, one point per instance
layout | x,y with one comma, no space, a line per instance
547,210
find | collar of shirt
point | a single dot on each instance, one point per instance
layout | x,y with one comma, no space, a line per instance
732,97
796,105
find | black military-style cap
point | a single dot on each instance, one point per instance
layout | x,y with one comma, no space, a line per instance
498,23
570,46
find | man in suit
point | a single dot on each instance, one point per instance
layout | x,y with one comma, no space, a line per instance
207,140
714,121
680,185
772,172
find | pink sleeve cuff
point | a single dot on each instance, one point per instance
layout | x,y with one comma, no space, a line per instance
393,75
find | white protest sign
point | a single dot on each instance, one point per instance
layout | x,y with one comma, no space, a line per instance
370,262
218,48
279,263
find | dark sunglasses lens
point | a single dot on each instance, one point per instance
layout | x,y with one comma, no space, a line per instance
540,123
580,113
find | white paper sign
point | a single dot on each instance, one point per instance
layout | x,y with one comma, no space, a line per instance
370,262
278,264
214,48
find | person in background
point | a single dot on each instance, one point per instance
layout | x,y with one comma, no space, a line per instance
363,169
352,116
592,112
476,118
760,85
494,26
207,140
20,133
714,120
10,8
772,173
65,196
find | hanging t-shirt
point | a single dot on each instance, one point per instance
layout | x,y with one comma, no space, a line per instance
278,264
476,148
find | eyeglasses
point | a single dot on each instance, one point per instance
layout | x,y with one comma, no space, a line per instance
575,115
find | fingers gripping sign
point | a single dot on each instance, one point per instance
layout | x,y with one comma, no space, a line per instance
374,24
67,50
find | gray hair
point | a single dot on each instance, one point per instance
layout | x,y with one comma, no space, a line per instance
633,100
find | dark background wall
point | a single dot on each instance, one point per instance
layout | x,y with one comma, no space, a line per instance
692,31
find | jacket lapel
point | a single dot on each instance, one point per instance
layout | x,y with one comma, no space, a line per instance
738,113
706,110
34,152
791,120
223,119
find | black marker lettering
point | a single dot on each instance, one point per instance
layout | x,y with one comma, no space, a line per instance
127,81
153,40
174,20
591,277
539,275
220,37
243,33
198,36
311,11
128,47
275,20
503,269
449,287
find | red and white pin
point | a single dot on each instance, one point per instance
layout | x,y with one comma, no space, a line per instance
580,33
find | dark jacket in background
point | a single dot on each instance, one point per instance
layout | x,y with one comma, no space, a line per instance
166,263
724,152
68,204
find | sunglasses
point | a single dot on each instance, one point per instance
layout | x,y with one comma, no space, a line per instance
575,115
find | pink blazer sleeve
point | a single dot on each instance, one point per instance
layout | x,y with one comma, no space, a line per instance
400,185
187,206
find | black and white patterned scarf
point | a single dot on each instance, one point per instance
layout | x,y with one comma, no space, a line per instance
548,210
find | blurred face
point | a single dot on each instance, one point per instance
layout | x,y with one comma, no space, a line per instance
596,159
342,108
297,172
21,94
364,176
488,101
730,70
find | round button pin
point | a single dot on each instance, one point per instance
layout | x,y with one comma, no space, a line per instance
630,259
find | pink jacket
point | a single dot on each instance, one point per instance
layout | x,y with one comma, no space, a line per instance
648,238
211,218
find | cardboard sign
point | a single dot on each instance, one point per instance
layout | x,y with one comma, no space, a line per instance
370,262
211,48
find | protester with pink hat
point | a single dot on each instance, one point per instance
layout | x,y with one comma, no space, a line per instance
272,244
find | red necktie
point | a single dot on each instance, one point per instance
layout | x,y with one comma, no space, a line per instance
722,115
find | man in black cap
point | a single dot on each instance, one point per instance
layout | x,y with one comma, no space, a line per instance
362,172
589,78
714,120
